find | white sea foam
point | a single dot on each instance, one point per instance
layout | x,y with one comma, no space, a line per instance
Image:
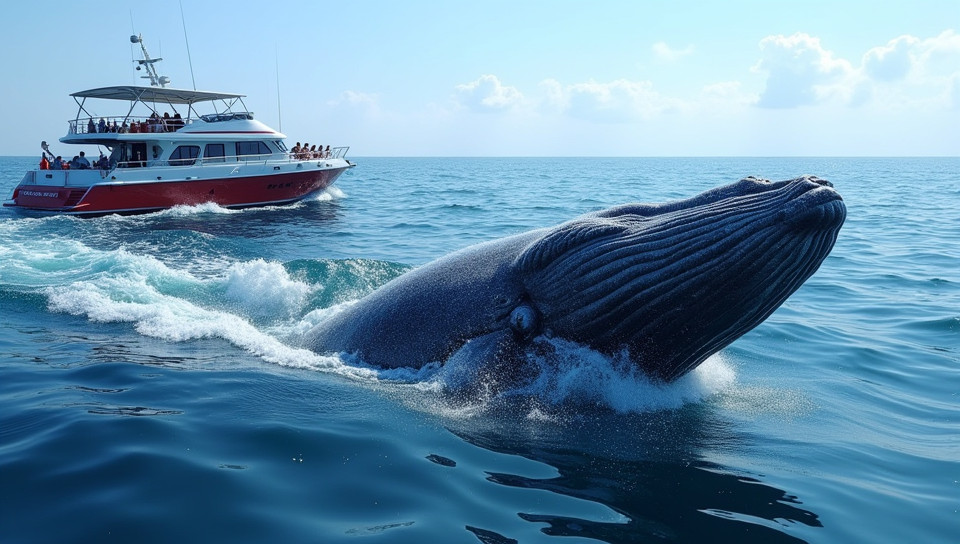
175,319
573,373
265,289
331,193
167,303
197,209
568,375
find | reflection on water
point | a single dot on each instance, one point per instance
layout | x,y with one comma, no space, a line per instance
650,469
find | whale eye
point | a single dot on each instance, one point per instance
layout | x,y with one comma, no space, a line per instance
523,321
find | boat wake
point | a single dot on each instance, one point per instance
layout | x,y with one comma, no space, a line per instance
329,194
198,209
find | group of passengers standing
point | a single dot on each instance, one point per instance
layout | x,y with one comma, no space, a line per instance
154,123
306,152
79,162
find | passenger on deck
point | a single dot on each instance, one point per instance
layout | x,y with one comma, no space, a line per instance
295,150
177,122
103,162
313,151
57,163
91,126
102,125
167,122
326,154
152,122
82,162
44,163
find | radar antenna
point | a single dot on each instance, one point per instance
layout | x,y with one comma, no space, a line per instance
156,80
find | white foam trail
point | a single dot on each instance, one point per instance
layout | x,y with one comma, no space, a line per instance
170,318
198,209
166,303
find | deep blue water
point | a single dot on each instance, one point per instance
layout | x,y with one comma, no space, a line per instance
150,390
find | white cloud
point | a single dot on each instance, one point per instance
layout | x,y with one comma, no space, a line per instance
800,71
726,93
913,73
892,61
665,52
620,100
488,94
369,103
556,99
906,73
615,101
954,93
908,81
939,56
354,97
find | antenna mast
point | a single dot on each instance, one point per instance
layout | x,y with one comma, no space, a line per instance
156,80
190,60
276,53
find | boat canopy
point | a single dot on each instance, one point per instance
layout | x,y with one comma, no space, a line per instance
155,94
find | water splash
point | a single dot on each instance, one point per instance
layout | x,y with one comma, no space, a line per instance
567,377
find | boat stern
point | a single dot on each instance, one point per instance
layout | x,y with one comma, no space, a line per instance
45,193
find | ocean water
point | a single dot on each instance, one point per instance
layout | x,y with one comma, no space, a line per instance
151,388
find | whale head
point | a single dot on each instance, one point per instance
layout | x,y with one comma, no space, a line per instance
674,283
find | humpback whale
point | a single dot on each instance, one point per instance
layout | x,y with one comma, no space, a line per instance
667,284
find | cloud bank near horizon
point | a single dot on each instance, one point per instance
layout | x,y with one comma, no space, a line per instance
906,72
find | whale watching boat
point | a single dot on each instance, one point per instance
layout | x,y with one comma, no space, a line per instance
172,147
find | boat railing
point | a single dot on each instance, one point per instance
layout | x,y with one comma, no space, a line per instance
64,178
125,125
334,153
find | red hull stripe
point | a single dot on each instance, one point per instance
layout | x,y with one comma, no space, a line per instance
154,195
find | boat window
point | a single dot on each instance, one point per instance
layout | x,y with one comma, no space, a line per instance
185,155
213,153
252,150
280,145
227,116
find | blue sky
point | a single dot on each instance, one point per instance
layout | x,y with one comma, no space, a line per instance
520,78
